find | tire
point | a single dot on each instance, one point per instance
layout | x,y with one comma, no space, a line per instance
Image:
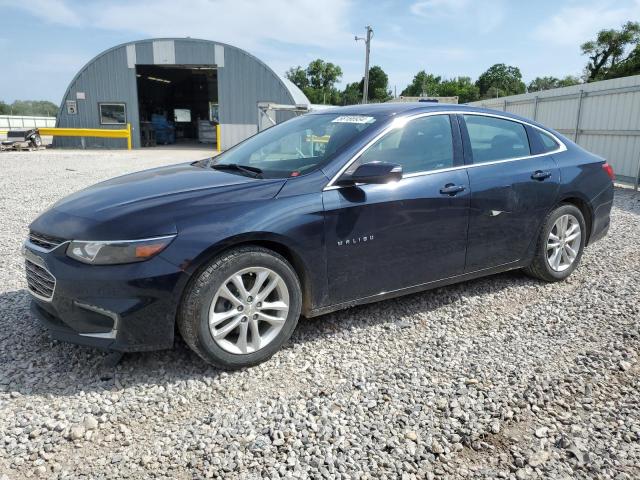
545,265
36,141
214,292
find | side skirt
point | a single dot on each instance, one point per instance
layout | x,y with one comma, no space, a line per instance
416,288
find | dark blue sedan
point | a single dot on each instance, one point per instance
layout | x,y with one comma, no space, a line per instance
325,211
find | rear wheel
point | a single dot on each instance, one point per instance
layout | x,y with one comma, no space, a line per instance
36,141
560,245
241,308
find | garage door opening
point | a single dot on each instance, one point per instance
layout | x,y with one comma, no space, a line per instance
177,104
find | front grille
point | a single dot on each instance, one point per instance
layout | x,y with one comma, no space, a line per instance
41,283
44,241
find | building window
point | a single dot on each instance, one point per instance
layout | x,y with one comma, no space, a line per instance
113,113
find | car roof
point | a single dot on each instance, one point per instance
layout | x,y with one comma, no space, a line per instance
393,108
390,109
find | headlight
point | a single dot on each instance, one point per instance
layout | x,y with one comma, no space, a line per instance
117,251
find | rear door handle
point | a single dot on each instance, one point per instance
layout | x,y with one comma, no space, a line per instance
540,175
451,189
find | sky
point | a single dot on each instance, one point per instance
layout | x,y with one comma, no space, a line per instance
44,43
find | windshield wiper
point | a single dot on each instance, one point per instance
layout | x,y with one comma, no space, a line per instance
254,172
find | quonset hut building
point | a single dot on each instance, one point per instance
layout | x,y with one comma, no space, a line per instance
176,90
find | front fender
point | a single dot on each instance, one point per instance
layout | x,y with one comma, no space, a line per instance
293,227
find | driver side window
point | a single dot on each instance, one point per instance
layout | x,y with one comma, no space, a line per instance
422,145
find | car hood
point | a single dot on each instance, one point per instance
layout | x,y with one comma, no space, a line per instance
147,203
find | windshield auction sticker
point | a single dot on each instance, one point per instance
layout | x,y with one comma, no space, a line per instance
353,119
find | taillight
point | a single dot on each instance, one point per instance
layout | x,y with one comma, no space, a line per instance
609,169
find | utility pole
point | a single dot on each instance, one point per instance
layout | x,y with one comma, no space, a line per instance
367,41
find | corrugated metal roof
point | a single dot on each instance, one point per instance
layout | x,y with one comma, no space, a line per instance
298,95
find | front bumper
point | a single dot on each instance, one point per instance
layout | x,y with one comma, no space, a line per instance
115,307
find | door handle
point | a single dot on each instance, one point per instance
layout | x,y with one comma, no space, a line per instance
451,189
540,175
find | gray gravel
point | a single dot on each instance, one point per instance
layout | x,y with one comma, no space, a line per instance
503,377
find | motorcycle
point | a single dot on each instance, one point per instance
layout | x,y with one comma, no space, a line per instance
19,139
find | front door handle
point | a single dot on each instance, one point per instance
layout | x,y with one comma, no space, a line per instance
451,189
540,175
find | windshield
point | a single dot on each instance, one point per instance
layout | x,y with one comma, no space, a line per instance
294,147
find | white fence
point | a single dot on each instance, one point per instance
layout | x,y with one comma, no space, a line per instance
13,122
603,117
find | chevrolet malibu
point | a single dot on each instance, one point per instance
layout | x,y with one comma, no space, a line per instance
322,212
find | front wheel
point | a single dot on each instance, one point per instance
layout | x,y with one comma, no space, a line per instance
560,245
241,308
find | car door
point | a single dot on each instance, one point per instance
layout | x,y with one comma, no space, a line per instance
382,238
512,189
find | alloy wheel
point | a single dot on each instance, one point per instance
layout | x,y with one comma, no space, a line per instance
563,243
248,310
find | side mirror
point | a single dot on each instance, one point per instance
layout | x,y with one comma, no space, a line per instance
374,172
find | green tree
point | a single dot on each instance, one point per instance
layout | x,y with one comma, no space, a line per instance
298,75
428,84
352,94
378,85
330,96
33,107
631,64
4,108
323,75
461,87
543,83
501,80
607,52
318,81
568,81
547,83
423,84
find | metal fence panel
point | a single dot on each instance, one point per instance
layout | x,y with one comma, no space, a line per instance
559,114
523,109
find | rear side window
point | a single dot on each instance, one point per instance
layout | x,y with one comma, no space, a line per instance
548,143
496,138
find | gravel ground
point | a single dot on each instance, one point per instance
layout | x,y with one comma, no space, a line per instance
503,377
